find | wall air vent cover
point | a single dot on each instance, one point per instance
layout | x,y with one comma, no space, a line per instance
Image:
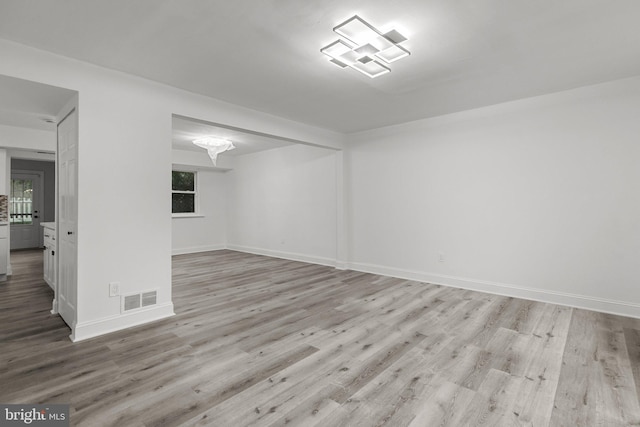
138,301
130,302
149,298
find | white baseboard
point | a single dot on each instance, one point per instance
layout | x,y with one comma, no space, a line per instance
604,305
621,308
94,328
196,249
341,265
284,255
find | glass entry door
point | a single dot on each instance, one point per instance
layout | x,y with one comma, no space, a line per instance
24,210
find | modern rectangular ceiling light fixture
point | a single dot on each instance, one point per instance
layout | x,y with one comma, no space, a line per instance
364,48
395,36
338,63
392,54
336,49
370,68
367,49
357,30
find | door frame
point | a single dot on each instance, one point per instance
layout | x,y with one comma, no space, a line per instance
40,200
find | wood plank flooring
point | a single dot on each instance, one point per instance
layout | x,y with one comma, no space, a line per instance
258,341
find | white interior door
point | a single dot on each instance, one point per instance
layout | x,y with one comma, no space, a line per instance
67,256
25,207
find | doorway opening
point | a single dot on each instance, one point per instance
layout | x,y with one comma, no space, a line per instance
30,113
27,203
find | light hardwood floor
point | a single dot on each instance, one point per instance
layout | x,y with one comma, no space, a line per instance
258,341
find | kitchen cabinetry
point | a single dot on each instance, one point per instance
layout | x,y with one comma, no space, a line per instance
49,254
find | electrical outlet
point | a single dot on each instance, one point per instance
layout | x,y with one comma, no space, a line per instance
441,257
114,289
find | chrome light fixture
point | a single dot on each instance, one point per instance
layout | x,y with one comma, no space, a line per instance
214,146
365,48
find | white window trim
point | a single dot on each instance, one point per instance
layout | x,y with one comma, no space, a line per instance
196,200
186,215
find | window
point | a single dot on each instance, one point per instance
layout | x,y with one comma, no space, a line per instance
21,201
183,192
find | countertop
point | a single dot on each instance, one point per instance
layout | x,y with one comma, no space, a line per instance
50,225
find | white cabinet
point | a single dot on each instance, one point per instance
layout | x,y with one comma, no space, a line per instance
49,254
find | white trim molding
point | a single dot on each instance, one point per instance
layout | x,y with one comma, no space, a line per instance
197,249
603,305
284,255
94,328
186,215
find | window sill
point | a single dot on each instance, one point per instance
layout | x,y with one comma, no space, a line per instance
187,215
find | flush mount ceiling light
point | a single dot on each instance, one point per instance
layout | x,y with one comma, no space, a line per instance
214,146
365,48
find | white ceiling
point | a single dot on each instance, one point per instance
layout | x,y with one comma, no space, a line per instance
265,54
29,104
185,130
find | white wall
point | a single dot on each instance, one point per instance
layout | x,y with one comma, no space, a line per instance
27,139
200,160
124,216
208,230
282,202
538,198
